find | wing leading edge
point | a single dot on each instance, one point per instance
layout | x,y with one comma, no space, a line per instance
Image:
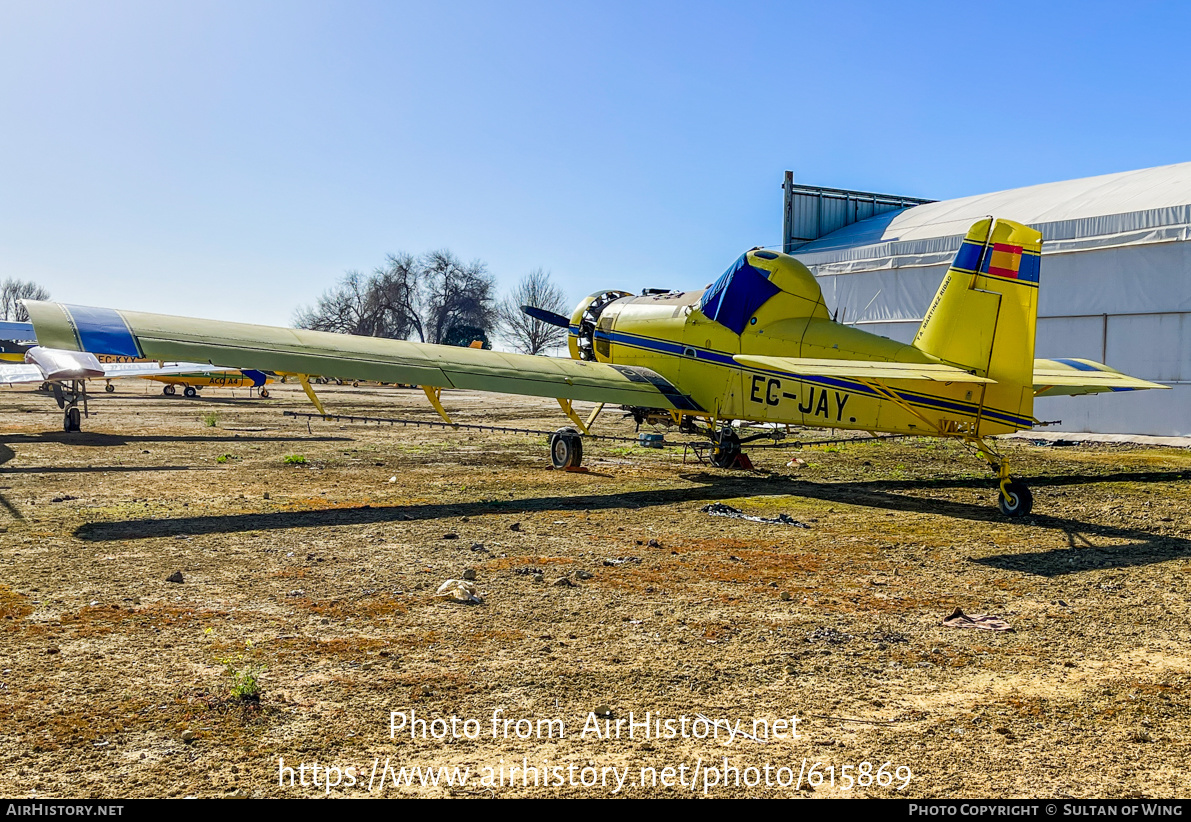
297,351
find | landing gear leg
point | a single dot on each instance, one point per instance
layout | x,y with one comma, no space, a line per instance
725,447
68,401
1013,496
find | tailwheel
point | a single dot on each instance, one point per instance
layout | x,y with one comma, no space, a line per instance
190,392
169,391
725,448
1015,499
72,420
1013,495
566,449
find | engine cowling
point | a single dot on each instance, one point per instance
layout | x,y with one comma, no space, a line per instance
581,336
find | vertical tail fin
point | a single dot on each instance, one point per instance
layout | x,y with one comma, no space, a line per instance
983,317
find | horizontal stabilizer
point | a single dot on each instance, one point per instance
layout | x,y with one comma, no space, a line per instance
1070,377
861,369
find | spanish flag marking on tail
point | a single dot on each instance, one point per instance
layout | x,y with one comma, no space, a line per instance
1011,262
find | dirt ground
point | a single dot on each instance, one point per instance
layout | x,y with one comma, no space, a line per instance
771,659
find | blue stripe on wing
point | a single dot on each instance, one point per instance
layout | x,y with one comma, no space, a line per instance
103,331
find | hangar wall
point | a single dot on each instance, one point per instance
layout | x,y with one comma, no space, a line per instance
1115,287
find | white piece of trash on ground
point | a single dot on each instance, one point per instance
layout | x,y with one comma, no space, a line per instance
459,590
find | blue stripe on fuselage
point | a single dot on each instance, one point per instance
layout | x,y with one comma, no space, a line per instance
720,358
103,331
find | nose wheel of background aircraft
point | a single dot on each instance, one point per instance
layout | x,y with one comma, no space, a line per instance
109,388
68,397
566,448
169,391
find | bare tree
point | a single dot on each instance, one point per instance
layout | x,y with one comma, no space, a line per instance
526,333
12,292
343,309
397,292
457,295
384,304
435,297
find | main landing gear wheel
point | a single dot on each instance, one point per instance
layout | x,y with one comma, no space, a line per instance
109,388
1016,499
264,393
72,420
169,391
725,448
566,448
190,392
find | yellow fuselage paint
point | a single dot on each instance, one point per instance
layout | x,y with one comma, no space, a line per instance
230,379
670,335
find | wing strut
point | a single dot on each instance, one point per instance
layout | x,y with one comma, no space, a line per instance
569,410
893,397
305,380
595,413
435,396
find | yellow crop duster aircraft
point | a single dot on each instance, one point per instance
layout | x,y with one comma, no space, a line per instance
757,345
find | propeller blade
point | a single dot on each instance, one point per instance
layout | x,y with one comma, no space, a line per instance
546,316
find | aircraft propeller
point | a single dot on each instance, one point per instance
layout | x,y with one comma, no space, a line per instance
546,316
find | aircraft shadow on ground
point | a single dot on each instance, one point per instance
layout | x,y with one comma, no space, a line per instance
1081,553
108,440
99,469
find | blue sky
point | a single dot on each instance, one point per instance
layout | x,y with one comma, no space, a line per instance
232,159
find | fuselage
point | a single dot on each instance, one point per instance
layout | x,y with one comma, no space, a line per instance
215,378
673,335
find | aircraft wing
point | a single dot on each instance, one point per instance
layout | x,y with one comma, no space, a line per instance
1069,376
19,373
114,370
860,369
47,364
298,351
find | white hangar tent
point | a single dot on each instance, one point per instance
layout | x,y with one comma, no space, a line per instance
1115,284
